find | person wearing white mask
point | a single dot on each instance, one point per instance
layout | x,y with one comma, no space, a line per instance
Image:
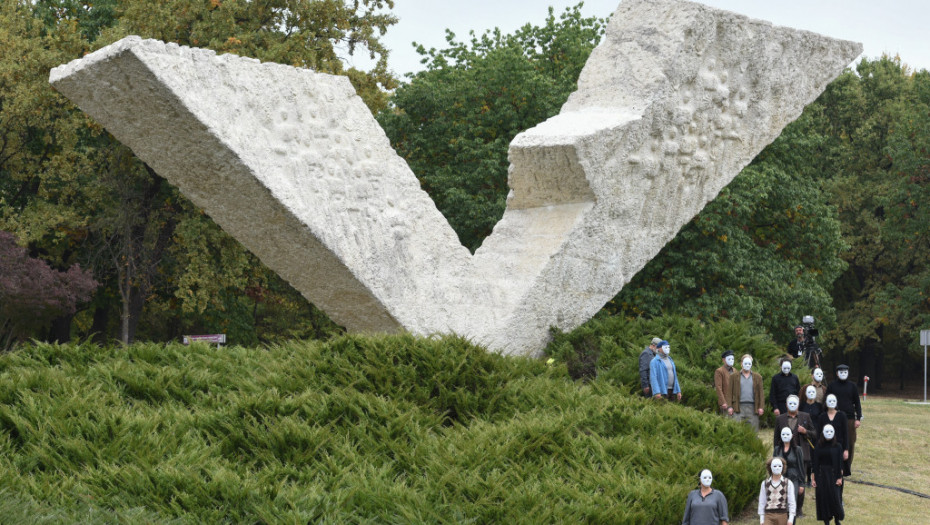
783,385
837,419
827,478
847,402
663,376
795,469
809,404
777,505
818,384
722,381
746,399
705,505
803,429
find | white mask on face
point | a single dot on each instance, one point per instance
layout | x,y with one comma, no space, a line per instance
747,364
831,401
828,432
786,368
786,435
706,478
811,393
818,375
666,349
842,374
792,403
729,360
777,467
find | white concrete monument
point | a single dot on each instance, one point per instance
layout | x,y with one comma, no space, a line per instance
673,103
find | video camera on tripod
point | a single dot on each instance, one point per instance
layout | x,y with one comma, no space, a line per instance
810,350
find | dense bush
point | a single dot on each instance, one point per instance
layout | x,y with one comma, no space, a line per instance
357,430
616,342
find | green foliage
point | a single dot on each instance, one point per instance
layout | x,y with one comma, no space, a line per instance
375,430
696,348
453,122
877,124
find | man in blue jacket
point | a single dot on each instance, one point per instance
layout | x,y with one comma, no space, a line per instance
663,376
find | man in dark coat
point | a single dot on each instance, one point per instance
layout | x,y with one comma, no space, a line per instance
783,385
847,402
645,359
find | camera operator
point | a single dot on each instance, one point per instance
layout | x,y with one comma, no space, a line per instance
805,347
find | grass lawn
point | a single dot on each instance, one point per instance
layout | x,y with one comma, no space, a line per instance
893,448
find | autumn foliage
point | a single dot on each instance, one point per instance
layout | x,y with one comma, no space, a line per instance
32,293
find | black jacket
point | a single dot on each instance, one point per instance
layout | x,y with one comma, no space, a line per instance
782,387
847,398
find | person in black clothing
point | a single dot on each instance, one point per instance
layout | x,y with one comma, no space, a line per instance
847,401
837,419
796,347
827,478
783,385
810,405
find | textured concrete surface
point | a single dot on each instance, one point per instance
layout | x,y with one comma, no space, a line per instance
676,100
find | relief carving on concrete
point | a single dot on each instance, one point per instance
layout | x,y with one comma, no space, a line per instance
675,101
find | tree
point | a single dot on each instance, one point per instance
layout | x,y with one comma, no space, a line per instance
32,294
879,120
74,194
453,122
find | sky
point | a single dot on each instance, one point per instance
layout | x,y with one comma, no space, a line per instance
882,26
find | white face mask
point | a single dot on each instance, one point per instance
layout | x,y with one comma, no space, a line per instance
792,403
831,401
811,393
729,360
786,435
818,375
747,364
777,467
706,478
828,432
666,349
842,374
786,368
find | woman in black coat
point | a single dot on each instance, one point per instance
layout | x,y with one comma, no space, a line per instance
837,418
827,477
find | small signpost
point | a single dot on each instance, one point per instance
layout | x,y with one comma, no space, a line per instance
219,339
925,342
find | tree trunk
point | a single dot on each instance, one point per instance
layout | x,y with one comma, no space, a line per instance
60,332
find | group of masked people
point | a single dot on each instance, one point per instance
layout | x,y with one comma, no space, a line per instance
814,439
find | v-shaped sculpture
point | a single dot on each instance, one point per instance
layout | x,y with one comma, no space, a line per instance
673,103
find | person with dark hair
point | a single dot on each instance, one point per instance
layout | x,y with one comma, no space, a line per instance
783,385
706,506
722,381
663,376
796,346
836,418
794,464
847,401
777,505
810,405
827,477
645,359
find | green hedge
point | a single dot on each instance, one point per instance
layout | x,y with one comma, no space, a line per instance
355,430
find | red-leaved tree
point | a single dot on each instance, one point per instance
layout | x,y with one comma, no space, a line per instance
32,294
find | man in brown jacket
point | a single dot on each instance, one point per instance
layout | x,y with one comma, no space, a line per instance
722,382
746,398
